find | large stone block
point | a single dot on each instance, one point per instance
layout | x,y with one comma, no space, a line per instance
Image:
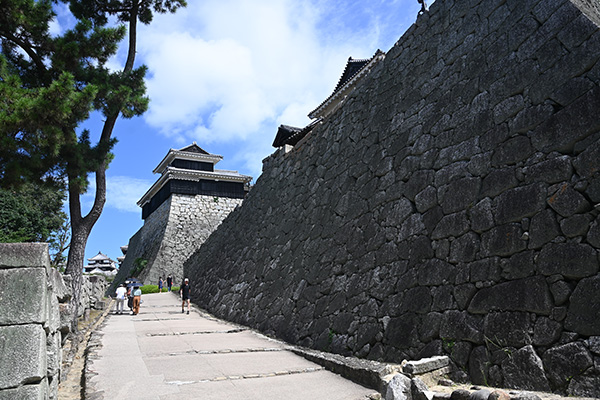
572,260
524,370
26,392
23,356
24,296
24,255
530,294
516,204
508,328
459,325
567,201
503,240
565,362
584,307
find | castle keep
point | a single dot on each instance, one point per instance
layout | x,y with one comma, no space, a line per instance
187,202
448,205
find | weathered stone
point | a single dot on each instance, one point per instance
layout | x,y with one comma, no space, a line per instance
543,229
26,343
399,388
546,331
419,390
15,255
516,204
567,201
524,370
572,260
584,307
451,225
463,294
459,325
460,394
562,130
507,328
593,235
459,194
464,248
435,272
530,294
576,225
563,363
499,395
512,151
426,365
498,181
426,199
485,270
560,291
593,344
479,364
556,170
586,163
481,216
520,265
24,296
586,385
503,240
26,392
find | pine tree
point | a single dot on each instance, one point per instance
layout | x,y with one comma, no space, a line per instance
48,87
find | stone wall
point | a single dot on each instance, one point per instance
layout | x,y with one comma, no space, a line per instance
172,233
31,326
450,206
35,318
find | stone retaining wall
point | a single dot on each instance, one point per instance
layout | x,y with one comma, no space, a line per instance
450,206
35,317
171,234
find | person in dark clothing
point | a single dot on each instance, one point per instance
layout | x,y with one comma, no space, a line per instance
169,282
184,292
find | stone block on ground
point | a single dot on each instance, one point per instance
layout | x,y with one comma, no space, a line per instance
426,365
399,388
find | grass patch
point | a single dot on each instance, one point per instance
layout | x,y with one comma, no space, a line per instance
147,289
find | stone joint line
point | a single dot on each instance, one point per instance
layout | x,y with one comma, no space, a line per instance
250,376
195,333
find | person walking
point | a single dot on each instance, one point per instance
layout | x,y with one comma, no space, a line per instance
169,282
137,298
121,293
184,292
160,284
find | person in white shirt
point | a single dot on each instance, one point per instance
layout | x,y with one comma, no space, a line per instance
121,294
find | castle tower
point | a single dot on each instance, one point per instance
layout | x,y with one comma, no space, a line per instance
180,210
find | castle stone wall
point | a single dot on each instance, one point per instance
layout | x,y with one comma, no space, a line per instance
448,207
172,233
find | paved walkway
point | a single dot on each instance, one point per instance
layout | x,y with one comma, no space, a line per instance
163,354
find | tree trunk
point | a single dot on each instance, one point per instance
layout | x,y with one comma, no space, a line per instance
80,231
81,227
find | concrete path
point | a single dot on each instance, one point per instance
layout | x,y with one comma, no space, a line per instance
163,354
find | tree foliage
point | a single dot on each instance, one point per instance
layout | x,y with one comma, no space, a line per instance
30,213
49,84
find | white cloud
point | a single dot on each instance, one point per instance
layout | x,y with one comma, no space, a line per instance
231,71
122,193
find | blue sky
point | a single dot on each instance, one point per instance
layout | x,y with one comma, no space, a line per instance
226,74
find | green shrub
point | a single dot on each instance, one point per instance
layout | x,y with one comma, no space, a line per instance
146,289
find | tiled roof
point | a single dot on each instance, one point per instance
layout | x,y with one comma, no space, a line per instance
355,70
194,148
291,135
